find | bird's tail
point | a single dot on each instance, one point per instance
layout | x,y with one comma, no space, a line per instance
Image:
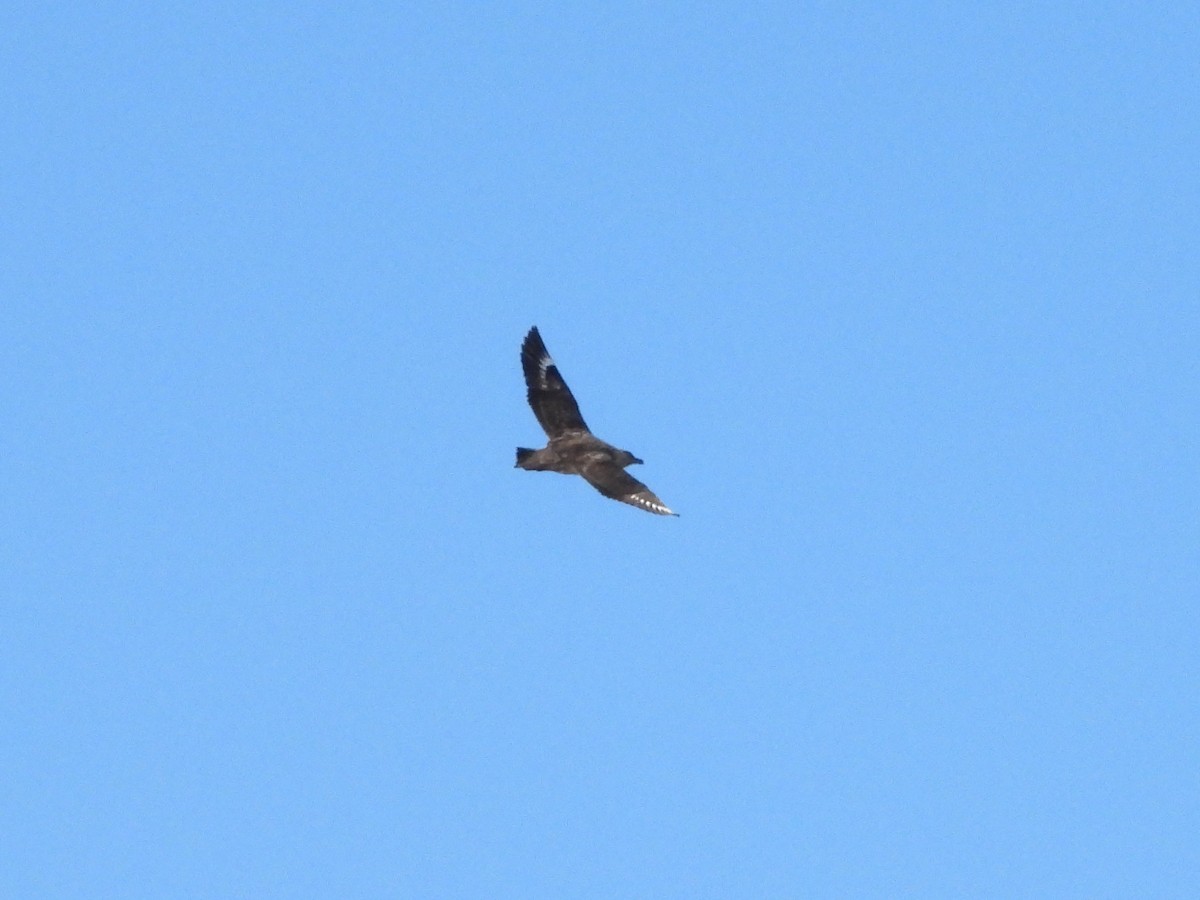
523,453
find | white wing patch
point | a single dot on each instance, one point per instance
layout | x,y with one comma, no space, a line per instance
646,503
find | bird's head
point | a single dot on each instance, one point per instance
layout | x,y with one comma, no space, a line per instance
628,459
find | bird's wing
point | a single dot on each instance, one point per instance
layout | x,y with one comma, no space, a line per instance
613,481
551,399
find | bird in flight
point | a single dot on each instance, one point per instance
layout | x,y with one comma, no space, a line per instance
573,449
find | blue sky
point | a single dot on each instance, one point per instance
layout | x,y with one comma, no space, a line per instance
901,306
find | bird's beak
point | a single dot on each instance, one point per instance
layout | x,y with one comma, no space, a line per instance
638,461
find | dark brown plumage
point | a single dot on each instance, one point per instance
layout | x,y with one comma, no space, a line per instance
573,449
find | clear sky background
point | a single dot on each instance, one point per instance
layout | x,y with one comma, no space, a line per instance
900,304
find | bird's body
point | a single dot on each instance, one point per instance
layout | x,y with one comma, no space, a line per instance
572,448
